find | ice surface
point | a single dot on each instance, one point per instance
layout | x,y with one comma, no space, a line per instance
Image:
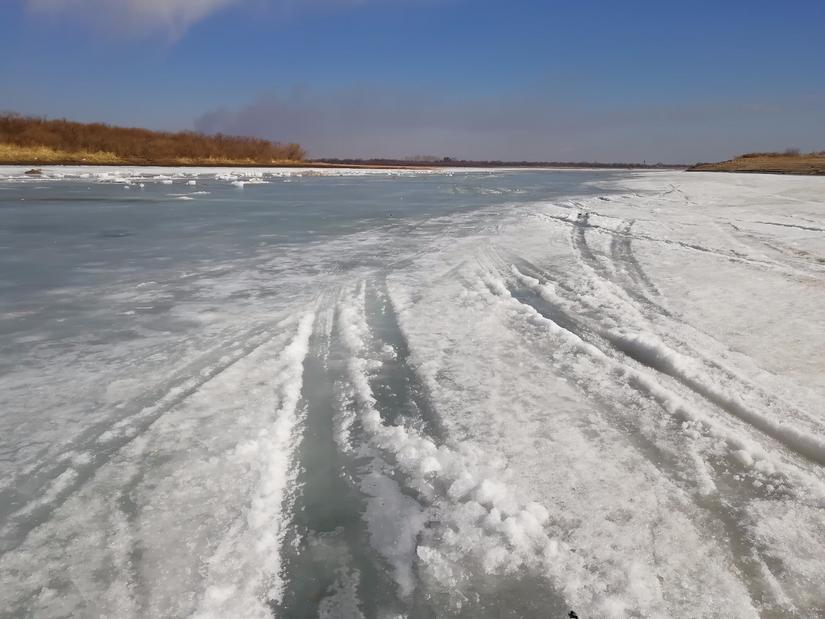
417,393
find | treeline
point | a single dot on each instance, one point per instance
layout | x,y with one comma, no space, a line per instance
788,152
429,161
134,145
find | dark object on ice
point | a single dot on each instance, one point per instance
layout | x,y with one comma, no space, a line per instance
572,614
34,172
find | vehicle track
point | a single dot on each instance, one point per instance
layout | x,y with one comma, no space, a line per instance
809,447
378,432
621,252
23,502
728,514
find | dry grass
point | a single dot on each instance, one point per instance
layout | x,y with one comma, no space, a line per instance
789,162
11,154
35,140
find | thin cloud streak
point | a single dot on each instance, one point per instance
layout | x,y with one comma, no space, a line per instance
171,18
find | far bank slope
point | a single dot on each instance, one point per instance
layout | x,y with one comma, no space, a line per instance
768,163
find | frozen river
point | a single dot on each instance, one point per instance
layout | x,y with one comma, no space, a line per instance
352,393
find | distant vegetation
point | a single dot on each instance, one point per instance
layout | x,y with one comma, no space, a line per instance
788,152
432,161
29,140
789,161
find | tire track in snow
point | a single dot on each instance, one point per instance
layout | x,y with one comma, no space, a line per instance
662,459
243,577
666,360
622,254
729,255
653,353
53,482
400,394
595,320
622,260
329,563
810,265
622,313
745,459
376,377
116,530
527,295
798,226
656,354
579,241
747,556
460,502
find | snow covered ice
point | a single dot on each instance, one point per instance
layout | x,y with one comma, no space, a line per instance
384,393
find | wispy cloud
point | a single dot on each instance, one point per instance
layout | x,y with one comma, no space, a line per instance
169,17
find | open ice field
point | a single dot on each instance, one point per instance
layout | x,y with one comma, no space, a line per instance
468,394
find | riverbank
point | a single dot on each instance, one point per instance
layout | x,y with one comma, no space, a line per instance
38,156
11,154
768,163
27,140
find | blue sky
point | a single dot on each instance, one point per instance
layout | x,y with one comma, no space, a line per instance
557,80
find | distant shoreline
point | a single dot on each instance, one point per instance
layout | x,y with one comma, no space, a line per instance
35,163
447,163
35,166
31,141
35,156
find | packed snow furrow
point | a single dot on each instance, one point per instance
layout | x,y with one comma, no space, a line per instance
649,352
622,260
804,262
661,451
751,557
325,538
624,317
622,255
400,394
654,354
646,349
668,448
350,547
474,525
783,225
724,496
243,576
535,300
638,427
192,480
392,512
579,241
53,482
195,373
758,259
727,255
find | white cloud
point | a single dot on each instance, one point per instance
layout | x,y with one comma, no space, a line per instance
170,17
